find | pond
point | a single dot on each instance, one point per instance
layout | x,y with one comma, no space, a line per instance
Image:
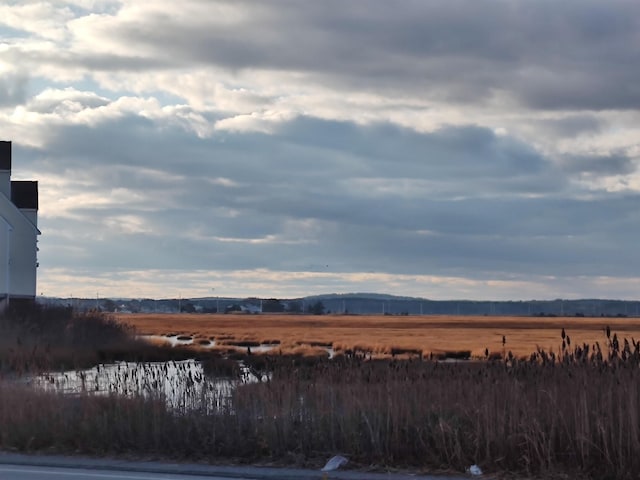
181,384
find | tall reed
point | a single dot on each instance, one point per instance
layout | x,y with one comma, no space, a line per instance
574,411
40,338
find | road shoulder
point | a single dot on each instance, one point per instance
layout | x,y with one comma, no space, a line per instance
257,473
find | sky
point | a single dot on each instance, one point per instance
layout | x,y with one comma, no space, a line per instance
441,149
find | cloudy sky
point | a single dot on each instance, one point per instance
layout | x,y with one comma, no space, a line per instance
444,149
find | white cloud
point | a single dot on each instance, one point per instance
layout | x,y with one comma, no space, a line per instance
446,146
64,102
264,122
265,283
41,19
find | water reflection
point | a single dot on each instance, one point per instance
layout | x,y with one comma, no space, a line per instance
175,340
181,384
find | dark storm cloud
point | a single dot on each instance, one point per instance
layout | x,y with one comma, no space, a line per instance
600,165
570,125
575,54
318,192
468,160
94,62
476,238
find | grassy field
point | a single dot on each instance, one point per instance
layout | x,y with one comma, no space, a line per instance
569,414
384,334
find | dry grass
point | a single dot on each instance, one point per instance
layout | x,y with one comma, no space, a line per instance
574,412
384,334
37,338
573,416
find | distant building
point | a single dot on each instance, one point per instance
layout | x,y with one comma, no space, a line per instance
18,233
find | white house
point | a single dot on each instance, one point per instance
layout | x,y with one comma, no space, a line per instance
18,233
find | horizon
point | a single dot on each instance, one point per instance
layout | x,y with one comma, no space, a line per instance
353,295
282,149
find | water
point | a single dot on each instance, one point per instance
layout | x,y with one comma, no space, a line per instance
181,384
174,340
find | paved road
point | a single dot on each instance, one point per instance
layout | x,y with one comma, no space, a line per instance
55,467
27,472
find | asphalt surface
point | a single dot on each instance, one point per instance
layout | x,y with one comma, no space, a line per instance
55,467
27,472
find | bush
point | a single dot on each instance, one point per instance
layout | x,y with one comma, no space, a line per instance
37,337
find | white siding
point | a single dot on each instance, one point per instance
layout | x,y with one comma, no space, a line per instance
21,242
5,183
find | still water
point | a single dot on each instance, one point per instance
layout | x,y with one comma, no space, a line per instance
181,384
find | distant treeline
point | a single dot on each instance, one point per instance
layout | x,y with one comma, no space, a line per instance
361,305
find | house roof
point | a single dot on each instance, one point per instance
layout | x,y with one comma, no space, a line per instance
13,216
24,194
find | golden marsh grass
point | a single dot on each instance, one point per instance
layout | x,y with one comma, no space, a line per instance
382,334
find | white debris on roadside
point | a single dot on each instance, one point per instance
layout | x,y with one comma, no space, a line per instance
474,470
335,463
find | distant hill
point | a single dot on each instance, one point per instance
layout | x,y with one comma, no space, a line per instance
364,303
